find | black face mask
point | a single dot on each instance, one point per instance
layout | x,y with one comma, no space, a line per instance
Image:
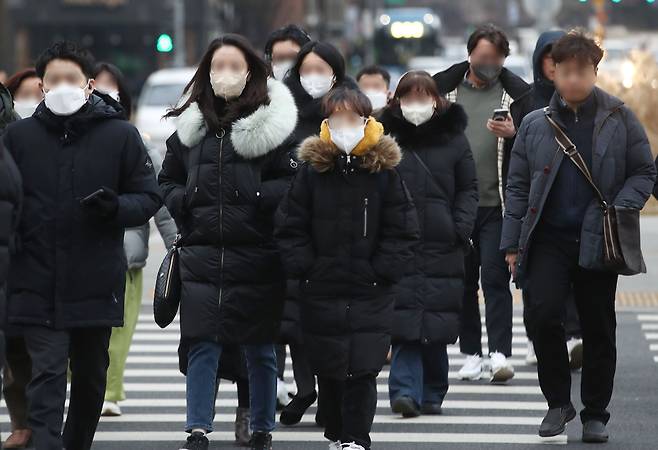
487,72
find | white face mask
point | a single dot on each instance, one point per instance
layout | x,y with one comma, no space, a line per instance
65,99
228,84
378,99
25,108
316,85
347,138
417,113
281,69
108,91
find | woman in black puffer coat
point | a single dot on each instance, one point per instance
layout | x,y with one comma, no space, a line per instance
438,168
346,229
225,171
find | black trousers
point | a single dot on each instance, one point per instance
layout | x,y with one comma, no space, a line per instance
486,263
571,319
552,272
50,351
348,408
17,374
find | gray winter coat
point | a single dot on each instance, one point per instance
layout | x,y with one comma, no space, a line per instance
136,240
622,168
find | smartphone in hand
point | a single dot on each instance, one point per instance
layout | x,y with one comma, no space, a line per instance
91,197
500,114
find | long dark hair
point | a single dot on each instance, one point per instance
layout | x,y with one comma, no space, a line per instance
124,96
328,53
217,112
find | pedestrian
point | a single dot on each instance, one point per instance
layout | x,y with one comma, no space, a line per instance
26,91
24,86
7,113
110,86
438,168
319,68
552,231
226,168
282,47
482,85
346,228
375,82
88,177
539,97
11,200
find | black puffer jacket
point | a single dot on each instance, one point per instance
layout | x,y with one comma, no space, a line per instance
428,298
346,229
222,190
70,269
11,199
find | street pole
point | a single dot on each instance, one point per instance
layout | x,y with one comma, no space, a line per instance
180,59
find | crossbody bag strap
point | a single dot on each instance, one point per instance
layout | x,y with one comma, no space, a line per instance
427,169
570,150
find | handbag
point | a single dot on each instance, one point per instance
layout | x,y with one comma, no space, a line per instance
621,225
168,286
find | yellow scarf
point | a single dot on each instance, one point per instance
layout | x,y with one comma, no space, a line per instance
373,132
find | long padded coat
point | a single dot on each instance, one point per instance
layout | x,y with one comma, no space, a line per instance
428,298
346,229
222,189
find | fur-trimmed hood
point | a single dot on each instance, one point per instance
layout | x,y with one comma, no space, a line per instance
442,127
254,135
323,156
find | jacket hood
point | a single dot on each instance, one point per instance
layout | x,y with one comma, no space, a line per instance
323,156
372,134
7,113
254,135
441,126
544,43
448,80
95,110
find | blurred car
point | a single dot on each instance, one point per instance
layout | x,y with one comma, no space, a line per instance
162,91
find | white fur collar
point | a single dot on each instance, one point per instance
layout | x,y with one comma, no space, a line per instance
254,135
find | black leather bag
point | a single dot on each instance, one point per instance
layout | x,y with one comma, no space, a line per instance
621,226
168,287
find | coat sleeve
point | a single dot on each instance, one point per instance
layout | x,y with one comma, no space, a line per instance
163,221
277,173
139,195
466,194
11,201
518,188
398,231
172,179
640,167
293,225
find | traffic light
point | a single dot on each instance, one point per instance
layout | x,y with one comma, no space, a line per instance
164,44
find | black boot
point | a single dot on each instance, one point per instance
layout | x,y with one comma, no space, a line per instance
595,431
242,434
556,420
293,412
261,441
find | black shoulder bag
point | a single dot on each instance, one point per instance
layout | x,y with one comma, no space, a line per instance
621,226
168,286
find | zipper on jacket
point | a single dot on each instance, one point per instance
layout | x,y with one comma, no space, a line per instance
365,217
220,136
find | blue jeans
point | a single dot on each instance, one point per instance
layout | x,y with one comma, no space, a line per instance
203,360
420,372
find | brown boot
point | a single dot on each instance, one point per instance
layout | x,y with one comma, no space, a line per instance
242,434
18,439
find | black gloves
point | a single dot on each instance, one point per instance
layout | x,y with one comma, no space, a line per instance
104,204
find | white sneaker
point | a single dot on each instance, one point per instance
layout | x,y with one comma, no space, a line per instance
575,349
531,357
335,445
110,409
472,369
501,370
282,393
351,446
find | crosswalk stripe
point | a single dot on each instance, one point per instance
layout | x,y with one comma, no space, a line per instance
651,336
649,326
647,317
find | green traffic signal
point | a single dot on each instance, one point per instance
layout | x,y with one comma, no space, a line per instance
165,43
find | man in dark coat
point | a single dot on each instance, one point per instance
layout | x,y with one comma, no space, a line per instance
539,97
553,228
482,85
86,177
